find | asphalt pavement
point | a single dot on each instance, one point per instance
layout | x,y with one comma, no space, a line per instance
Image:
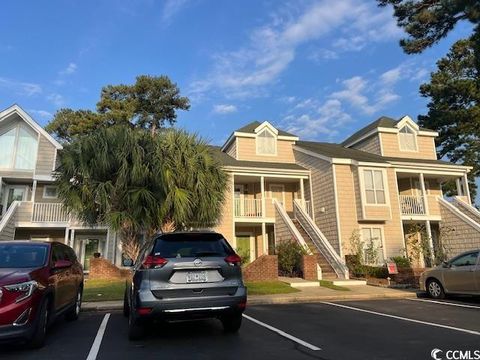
376,329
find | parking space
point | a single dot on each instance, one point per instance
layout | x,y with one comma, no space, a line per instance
380,329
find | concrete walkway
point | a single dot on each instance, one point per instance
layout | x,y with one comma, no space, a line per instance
305,295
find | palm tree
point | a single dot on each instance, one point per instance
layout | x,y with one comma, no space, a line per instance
135,183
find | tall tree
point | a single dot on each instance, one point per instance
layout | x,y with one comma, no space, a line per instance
151,103
454,107
428,21
135,183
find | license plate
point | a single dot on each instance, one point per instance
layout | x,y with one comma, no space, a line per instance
196,277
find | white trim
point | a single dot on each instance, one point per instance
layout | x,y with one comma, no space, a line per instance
382,234
294,174
406,120
29,120
273,135
45,190
13,161
460,214
337,211
264,125
414,133
385,187
9,213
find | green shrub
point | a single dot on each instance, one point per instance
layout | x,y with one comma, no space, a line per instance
290,255
401,261
244,255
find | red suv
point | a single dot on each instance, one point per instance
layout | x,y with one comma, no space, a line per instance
38,282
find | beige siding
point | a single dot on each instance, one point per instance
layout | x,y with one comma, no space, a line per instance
393,230
53,234
377,212
232,149
247,150
425,145
45,157
8,232
464,237
225,224
323,195
24,212
371,145
39,195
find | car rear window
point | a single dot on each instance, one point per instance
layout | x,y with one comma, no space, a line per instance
22,256
191,245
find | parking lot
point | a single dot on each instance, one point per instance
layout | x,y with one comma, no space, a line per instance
379,329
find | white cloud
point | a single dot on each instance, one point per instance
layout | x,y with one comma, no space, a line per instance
322,119
70,69
272,48
56,99
224,109
323,54
41,113
172,8
20,88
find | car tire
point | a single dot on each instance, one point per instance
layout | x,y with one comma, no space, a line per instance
40,333
232,322
74,312
435,289
135,330
126,307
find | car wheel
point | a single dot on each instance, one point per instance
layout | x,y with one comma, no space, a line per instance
126,308
38,338
435,289
74,312
135,329
231,323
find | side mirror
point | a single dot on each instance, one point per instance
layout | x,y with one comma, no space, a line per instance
62,264
127,262
445,264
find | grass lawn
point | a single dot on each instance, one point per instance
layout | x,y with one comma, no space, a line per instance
103,290
268,287
329,284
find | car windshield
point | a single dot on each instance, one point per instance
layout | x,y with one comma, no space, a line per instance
192,245
22,256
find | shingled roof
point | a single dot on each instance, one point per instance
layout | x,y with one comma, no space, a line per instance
383,122
250,128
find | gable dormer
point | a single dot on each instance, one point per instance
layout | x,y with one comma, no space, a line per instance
395,138
26,148
261,142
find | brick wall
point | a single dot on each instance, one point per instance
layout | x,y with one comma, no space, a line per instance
101,268
408,276
309,267
264,268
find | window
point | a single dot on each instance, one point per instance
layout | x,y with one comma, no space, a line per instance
372,245
374,187
50,192
19,148
266,143
408,141
465,260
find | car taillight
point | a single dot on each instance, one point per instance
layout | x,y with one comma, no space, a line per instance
153,262
233,259
19,292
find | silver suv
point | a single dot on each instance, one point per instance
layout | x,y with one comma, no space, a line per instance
185,275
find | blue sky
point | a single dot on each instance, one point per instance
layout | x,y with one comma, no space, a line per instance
320,69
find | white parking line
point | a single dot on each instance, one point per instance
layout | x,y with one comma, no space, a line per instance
473,332
92,355
283,333
445,303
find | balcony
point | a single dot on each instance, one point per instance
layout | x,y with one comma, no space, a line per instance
412,205
248,208
49,212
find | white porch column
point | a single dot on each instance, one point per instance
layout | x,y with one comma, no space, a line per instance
262,189
466,189
430,240
72,240
459,187
424,193
264,239
34,190
302,192
67,239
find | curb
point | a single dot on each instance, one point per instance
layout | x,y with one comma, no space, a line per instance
266,300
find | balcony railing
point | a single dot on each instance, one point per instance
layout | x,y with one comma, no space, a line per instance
49,212
412,205
250,208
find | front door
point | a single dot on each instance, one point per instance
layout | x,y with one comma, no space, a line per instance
245,248
13,193
461,275
91,246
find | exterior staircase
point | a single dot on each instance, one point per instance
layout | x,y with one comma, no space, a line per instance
327,270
